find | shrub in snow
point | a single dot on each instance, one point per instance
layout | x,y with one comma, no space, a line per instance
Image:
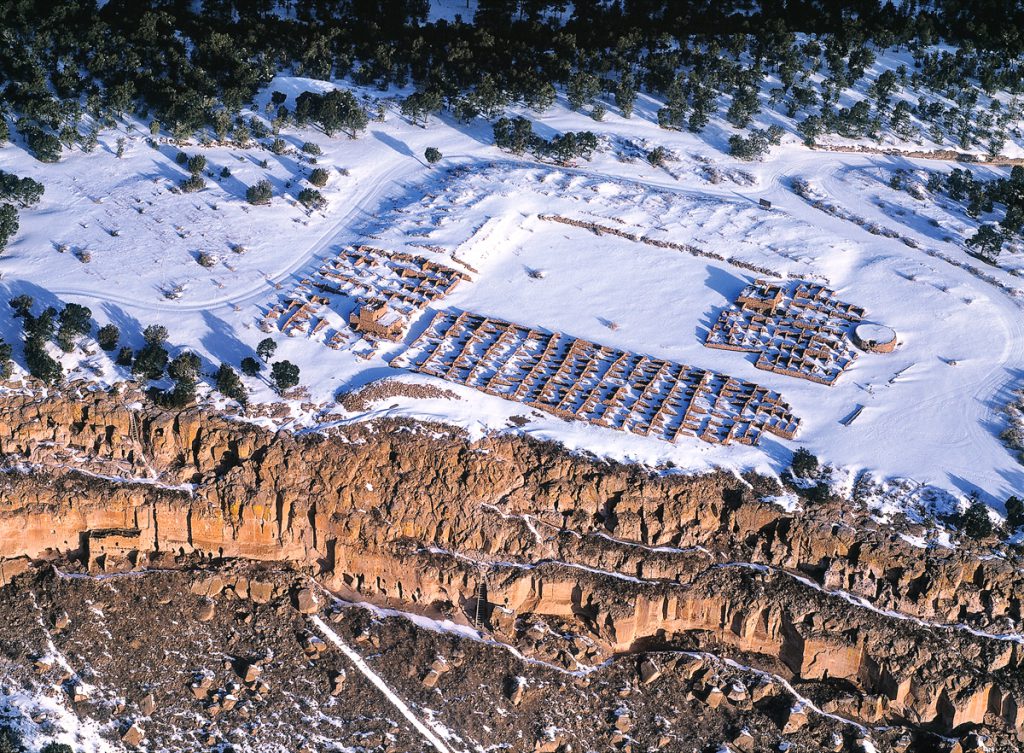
310,148
192,184
657,156
260,193
196,164
804,463
318,177
206,259
312,199
432,155
975,521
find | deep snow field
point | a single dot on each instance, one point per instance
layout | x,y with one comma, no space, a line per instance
931,410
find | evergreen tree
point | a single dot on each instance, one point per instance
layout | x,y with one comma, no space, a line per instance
420,105
514,135
196,164
582,88
265,349
230,385
184,366
5,359
8,223
338,110
625,94
804,464
25,191
285,375
250,366
1015,512
152,359
432,155
22,305
987,242
41,364
108,336
74,321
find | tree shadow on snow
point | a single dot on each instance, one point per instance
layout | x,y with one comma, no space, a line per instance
222,343
399,146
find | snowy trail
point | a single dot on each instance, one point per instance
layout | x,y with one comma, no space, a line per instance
382,686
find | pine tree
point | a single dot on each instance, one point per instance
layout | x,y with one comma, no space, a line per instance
285,375
265,349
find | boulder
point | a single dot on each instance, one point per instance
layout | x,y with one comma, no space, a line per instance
306,602
206,610
338,682
796,719
648,671
261,591
515,689
133,736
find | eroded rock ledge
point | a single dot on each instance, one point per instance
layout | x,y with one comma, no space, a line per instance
511,533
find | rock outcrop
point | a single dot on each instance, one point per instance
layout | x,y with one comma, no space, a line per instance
507,531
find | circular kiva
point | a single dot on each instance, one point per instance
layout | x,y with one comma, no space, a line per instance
874,338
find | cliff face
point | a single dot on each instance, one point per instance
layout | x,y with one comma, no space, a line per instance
508,531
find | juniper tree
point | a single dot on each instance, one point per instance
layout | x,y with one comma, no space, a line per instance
260,193
75,320
108,336
229,384
250,366
8,223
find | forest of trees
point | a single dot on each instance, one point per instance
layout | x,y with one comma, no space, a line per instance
185,66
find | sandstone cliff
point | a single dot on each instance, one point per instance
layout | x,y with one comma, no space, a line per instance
506,531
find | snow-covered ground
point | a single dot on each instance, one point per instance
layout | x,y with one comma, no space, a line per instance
931,410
